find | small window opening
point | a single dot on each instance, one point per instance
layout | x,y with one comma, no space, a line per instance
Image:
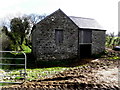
58,36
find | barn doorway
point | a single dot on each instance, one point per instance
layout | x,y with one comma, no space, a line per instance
85,50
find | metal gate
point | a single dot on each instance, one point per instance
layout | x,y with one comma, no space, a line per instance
8,75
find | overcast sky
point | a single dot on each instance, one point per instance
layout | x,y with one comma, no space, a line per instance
104,11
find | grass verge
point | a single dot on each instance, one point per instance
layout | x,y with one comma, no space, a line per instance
37,73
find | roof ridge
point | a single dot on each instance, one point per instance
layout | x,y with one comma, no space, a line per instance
81,17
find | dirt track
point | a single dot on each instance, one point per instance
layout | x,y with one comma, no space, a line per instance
100,73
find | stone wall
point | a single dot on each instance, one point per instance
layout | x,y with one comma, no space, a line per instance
43,38
98,41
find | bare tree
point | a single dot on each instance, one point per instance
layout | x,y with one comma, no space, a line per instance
35,18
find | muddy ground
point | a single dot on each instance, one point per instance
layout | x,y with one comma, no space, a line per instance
97,74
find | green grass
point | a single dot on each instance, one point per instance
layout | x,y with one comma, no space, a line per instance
115,58
26,49
44,72
38,73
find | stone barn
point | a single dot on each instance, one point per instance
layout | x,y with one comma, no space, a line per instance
59,37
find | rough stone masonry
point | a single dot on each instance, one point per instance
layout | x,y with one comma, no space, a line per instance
44,37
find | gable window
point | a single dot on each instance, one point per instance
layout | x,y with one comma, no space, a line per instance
58,36
85,36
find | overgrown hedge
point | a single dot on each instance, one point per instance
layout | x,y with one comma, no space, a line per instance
112,41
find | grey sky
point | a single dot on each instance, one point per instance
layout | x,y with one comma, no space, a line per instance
104,11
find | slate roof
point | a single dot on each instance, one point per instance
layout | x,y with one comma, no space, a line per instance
85,22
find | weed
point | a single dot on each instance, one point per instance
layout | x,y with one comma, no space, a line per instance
113,58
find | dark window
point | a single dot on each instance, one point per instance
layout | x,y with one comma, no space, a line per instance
85,36
58,36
